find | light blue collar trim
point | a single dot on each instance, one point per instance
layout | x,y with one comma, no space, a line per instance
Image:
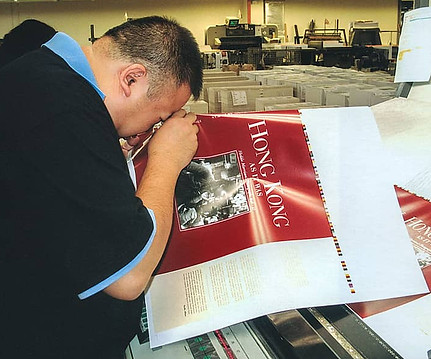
70,51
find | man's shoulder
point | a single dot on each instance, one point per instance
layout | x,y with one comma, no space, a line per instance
41,86
40,68
46,77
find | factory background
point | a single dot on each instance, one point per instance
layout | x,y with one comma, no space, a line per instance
75,17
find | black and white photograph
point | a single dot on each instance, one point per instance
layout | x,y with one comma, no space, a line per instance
210,190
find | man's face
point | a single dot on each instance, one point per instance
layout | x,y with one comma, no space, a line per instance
147,112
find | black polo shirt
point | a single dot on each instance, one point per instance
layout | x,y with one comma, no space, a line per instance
70,222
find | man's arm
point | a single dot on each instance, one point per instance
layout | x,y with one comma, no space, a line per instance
169,151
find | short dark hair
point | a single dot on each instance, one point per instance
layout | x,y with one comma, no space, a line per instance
166,49
27,36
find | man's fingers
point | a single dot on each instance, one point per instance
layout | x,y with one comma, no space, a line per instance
179,113
128,144
132,140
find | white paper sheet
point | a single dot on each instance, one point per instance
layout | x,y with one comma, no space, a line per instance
376,250
414,53
405,127
355,170
267,279
406,328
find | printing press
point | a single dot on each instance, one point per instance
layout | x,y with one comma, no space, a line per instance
333,332
234,35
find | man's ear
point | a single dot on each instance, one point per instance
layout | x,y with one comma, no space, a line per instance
131,75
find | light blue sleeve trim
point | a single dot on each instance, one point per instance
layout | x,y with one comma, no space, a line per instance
108,281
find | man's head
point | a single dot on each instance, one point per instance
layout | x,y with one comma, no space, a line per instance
166,49
148,69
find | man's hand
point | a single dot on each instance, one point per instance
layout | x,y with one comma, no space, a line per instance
128,144
175,143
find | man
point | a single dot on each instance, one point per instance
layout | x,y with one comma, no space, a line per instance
77,245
